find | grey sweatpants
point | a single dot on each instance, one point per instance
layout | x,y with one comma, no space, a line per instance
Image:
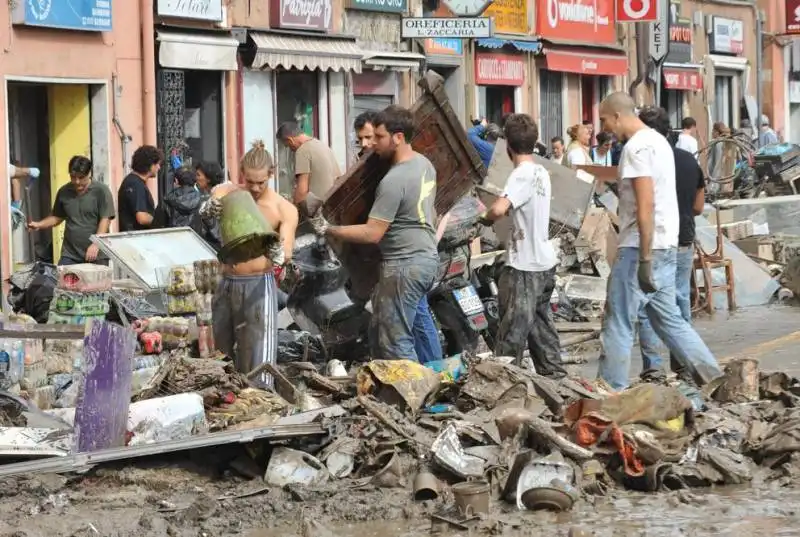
245,310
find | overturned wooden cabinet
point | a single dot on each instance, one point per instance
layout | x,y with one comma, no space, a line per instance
441,137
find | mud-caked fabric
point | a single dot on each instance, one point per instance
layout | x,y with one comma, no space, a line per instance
245,310
623,303
526,318
396,304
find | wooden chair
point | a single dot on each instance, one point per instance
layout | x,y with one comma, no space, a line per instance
707,262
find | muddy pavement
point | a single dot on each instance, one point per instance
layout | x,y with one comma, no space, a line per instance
178,498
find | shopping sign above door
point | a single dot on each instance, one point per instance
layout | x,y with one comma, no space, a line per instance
592,23
793,17
637,10
315,15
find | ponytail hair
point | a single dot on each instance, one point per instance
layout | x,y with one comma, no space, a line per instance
258,158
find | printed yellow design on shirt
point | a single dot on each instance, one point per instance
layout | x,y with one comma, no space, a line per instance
425,190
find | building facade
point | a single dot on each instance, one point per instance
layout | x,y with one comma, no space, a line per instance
72,85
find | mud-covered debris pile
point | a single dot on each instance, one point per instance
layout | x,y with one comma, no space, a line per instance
491,436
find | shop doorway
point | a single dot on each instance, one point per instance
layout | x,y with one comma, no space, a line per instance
494,102
190,121
588,98
298,101
48,124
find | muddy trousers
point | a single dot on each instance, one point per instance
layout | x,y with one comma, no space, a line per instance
245,311
623,304
396,305
526,318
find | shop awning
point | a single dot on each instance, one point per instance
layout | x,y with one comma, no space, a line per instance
299,52
393,61
194,51
522,46
585,61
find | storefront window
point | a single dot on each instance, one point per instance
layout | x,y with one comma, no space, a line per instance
297,100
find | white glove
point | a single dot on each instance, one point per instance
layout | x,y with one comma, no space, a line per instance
275,253
319,224
211,209
34,172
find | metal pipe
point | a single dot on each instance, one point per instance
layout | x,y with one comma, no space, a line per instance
148,73
124,137
641,58
759,77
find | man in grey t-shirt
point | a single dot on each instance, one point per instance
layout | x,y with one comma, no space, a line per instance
402,223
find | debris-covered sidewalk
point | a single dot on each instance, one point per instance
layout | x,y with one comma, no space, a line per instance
473,444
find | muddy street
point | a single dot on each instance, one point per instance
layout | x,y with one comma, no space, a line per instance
198,493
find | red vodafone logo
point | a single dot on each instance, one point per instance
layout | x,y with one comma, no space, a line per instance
637,10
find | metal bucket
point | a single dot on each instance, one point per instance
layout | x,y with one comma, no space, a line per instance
245,231
472,497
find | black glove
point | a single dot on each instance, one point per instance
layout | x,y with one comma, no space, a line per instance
645,276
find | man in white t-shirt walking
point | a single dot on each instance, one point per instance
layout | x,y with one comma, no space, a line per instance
644,271
528,279
687,139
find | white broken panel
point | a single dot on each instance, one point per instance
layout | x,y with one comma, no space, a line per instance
34,442
585,288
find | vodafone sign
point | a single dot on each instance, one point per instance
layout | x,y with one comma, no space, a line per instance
585,21
637,10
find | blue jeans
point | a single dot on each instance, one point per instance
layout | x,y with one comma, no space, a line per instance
648,340
625,299
426,336
402,285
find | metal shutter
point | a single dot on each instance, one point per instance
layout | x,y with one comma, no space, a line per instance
551,122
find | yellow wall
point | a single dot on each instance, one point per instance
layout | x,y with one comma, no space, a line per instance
70,134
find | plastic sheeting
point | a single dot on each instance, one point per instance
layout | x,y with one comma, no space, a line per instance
754,286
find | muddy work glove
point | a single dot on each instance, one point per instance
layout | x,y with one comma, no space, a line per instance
645,276
275,253
319,224
210,209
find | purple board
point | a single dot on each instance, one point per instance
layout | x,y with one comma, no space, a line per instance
101,414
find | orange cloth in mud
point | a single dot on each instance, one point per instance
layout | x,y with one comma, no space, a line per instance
592,427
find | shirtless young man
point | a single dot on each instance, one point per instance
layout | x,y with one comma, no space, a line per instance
245,306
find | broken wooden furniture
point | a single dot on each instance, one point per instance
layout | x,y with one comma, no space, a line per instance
708,262
441,137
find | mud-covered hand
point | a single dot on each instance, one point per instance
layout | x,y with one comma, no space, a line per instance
319,224
484,220
275,253
645,276
210,209
290,274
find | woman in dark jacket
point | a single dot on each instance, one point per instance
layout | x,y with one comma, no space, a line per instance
208,174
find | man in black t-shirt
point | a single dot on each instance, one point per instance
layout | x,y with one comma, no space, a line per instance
136,205
690,187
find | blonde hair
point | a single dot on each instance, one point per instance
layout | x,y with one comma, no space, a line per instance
573,131
258,158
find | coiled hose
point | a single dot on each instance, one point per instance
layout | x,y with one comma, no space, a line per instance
738,151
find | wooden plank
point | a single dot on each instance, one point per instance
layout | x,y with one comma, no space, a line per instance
568,327
101,414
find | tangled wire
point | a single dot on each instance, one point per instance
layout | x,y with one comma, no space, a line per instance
729,166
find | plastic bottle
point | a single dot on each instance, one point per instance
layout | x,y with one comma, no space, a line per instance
17,360
5,366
